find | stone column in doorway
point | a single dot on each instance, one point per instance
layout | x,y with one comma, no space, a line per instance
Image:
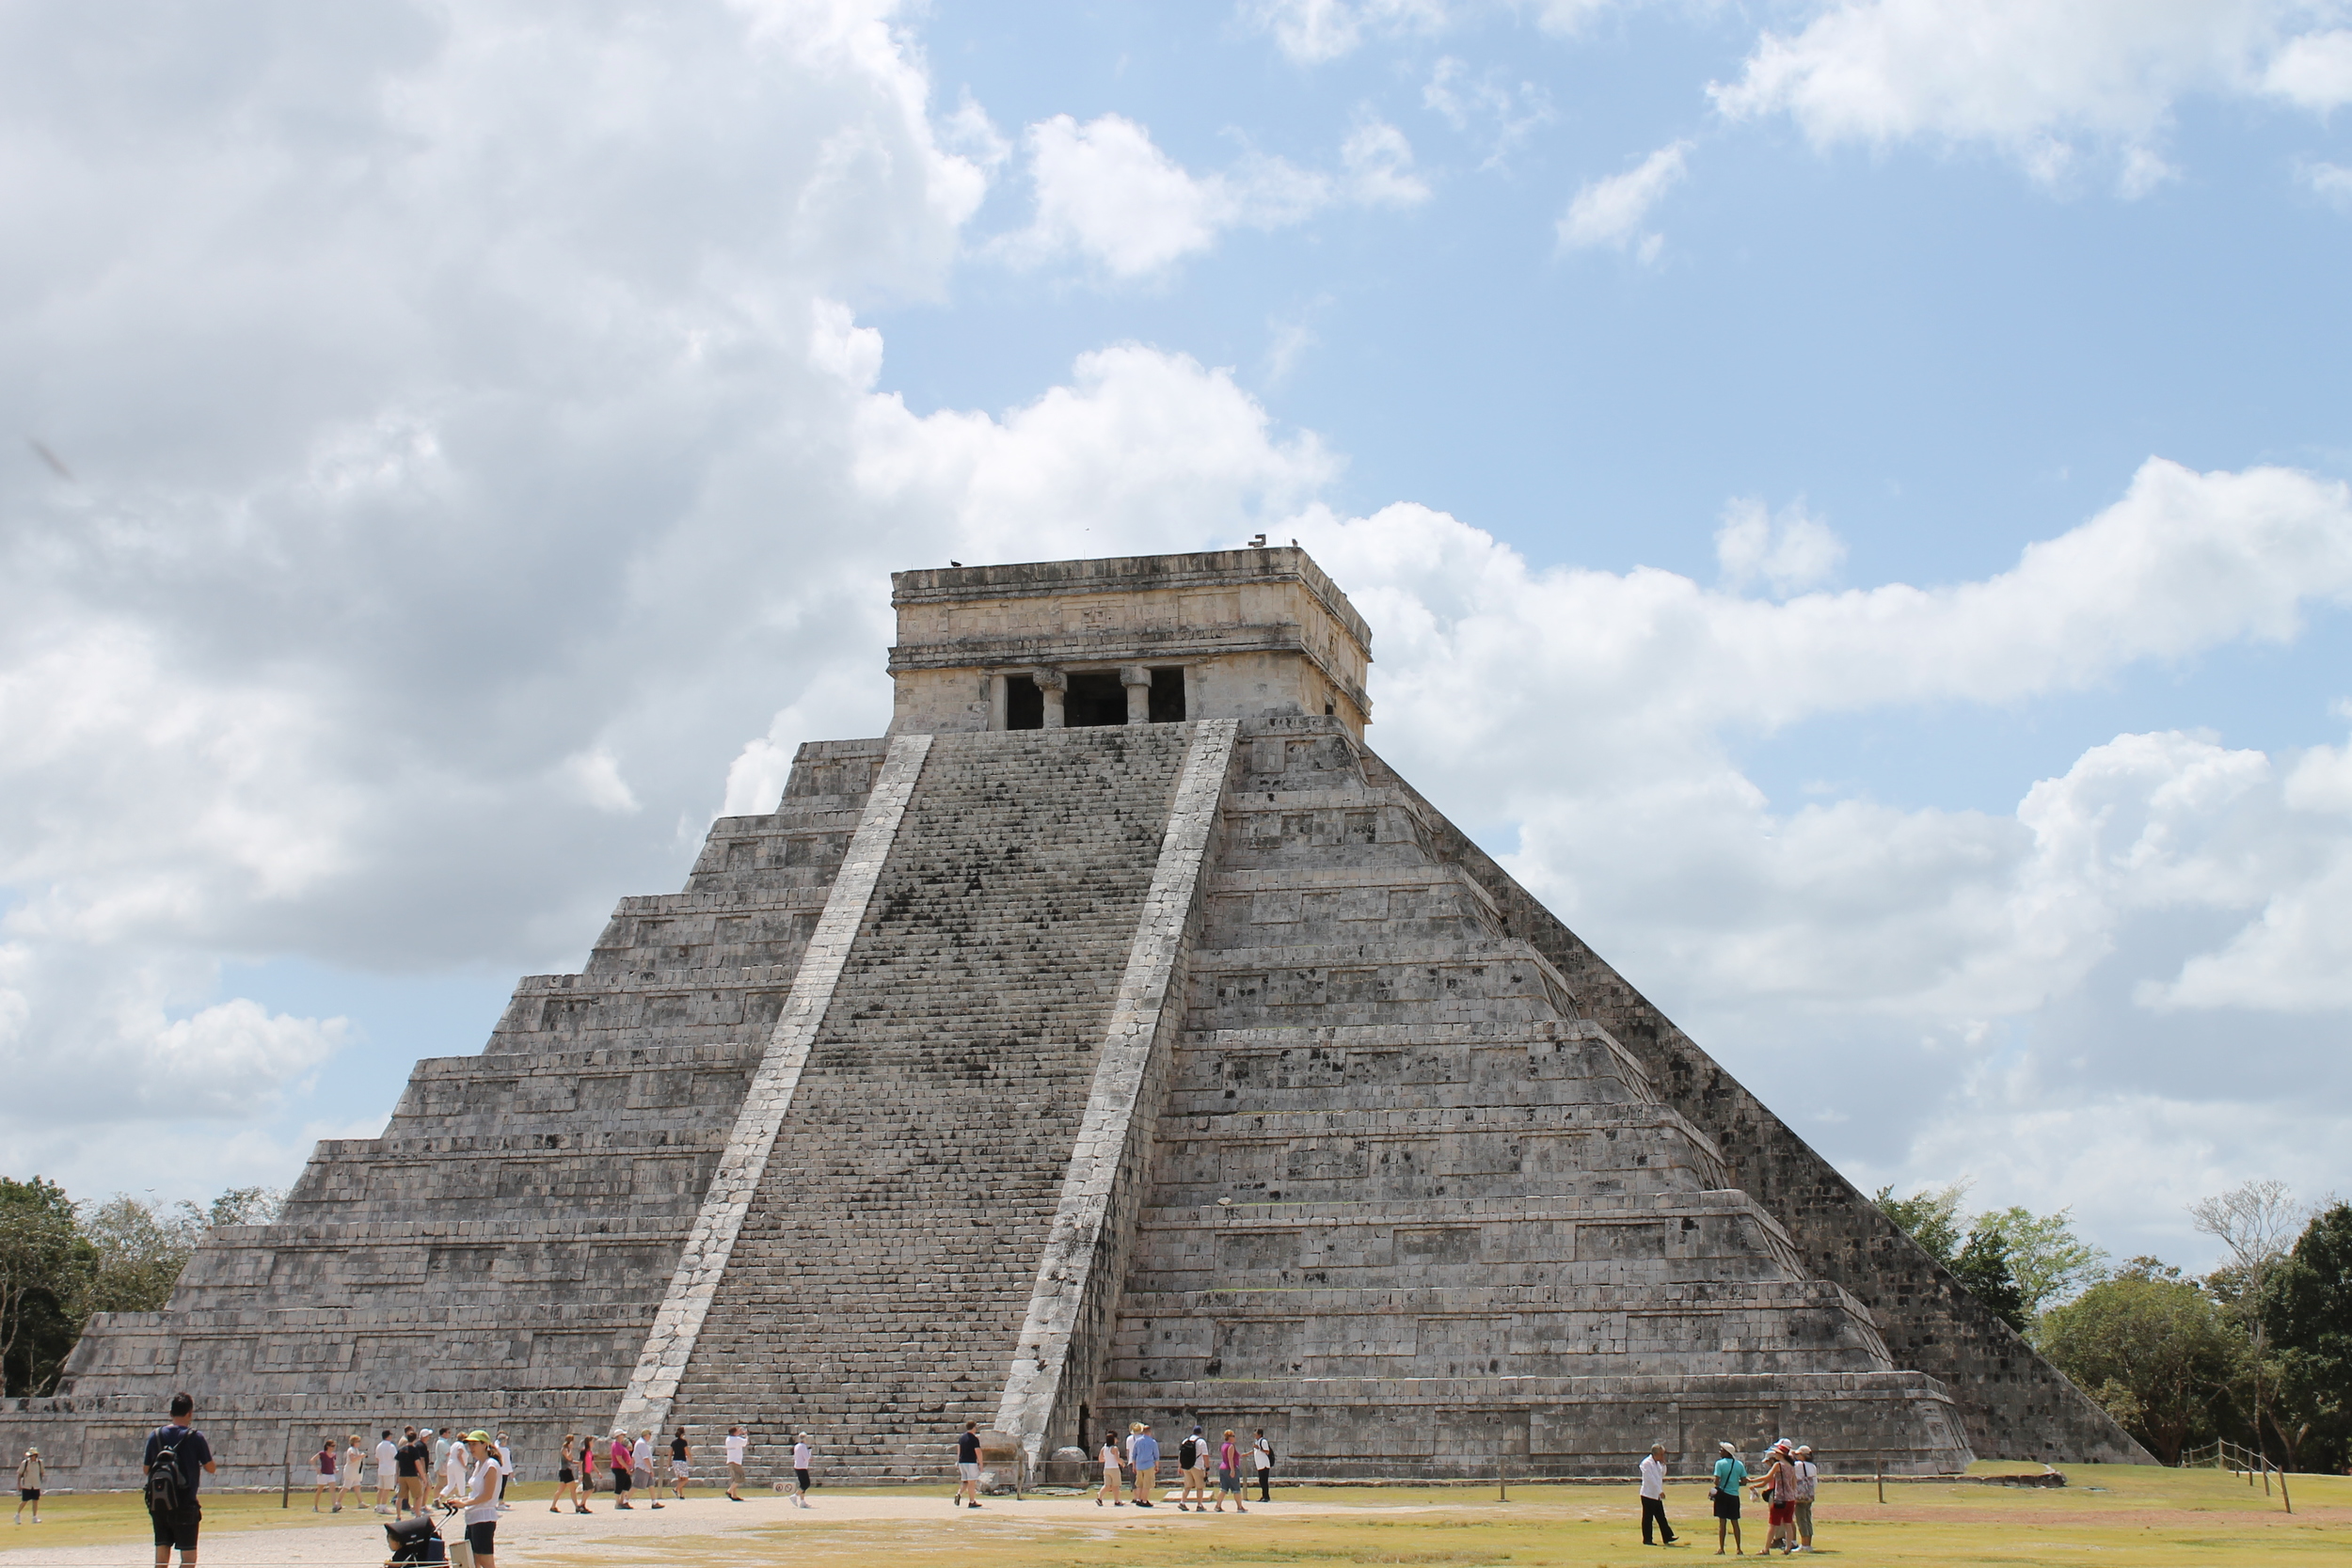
1052,684
997,698
1137,680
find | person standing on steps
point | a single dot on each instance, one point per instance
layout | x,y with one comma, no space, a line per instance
479,1496
641,1466
803,1456
1654,1496
177,1460
1143,1453
1228,1473
1262,1456
1730,1477
968,1466
737,1442
1808,1483
681,1463
28,1471
1112,1467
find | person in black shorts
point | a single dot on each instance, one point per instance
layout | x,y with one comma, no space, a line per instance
481,1498
179,1445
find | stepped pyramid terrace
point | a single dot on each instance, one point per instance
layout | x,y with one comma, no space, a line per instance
1116,1038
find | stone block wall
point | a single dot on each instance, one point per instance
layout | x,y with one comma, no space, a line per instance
2011,1403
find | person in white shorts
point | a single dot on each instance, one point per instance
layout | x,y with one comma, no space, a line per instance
387,1462
737,1442
802,1457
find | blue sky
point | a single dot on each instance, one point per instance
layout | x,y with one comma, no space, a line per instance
1850,497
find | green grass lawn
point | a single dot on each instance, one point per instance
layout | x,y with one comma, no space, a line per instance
2109,1514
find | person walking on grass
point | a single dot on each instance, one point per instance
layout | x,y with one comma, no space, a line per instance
1654,1496
28,1471
1777,1487
479,1497
968,1466
641,1462
1228,1473
803,1458
737,1441
177,1460
1143,1456
1262,1457
1730,1477
1111,1458
324,1463
355,1470
1192,1457
1808,1483
681,1463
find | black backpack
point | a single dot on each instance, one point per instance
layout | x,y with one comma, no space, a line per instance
166,1489
1189,1455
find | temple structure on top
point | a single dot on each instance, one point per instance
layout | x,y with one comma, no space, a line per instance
1116,1037
1157,638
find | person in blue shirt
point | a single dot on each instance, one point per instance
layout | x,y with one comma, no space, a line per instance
1730,1476
1143,1452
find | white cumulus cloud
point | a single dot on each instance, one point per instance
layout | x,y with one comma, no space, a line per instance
1108,193
1612,211
2038,79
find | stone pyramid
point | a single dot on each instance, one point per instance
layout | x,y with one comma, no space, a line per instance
1118,1039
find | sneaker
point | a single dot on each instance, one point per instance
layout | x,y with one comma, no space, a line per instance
657,1507
970,1505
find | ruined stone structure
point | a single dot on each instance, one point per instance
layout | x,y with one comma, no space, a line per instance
1116,1038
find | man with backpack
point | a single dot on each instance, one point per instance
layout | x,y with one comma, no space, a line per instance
178,1458
1192,1456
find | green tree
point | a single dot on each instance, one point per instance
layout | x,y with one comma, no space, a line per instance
2253,1223
44,1264
2048,1262
2308,1305
246,1206
1930,1218
139,1250
1983,1266
2151,1347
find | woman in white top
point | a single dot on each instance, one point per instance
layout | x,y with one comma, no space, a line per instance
478,1493
353,1464
1112,1457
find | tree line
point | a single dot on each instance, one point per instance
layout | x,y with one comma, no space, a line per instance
2258,1352
61,1260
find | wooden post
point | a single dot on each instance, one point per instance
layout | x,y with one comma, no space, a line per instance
1881,1478
285,1484
2283,1491
1503,1484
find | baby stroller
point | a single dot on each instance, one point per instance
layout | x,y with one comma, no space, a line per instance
415,1539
